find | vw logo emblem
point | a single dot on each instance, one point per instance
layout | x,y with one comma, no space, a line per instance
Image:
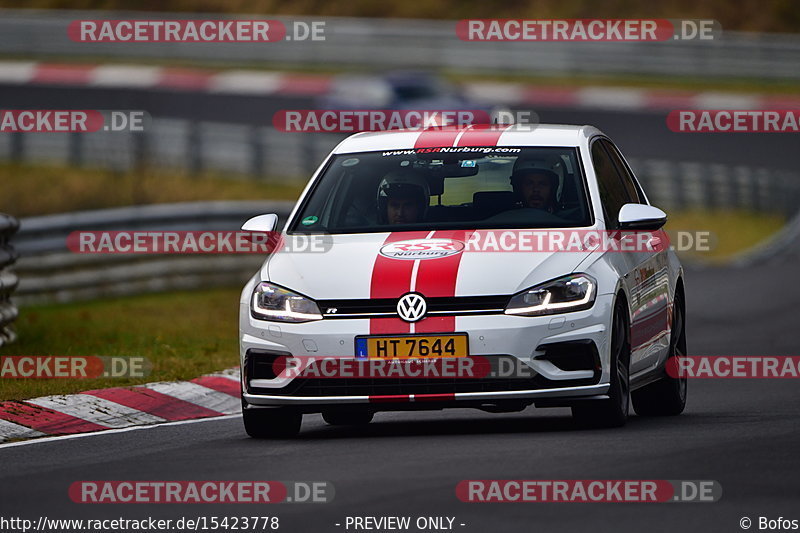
411,307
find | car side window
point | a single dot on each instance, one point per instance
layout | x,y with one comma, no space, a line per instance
628,181
612,192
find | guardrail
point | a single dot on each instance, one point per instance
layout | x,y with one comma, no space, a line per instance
187,145
8,279
49,272
408,43
690,184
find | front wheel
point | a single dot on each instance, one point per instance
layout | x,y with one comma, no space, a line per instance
667,396
275,423
612,412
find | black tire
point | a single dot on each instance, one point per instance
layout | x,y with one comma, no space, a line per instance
347,418
272,423
612,412
667,396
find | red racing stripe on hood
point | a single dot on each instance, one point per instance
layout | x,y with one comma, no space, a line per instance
482,135
436,137
437,278
391,278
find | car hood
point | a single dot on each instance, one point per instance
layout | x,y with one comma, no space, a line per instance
360,266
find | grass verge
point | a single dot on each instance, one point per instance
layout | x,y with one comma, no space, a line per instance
31,190
730,231
181,334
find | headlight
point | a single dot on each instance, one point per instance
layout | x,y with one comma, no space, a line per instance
271,302
570,293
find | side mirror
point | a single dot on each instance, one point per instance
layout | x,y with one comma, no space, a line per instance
641,217
261,223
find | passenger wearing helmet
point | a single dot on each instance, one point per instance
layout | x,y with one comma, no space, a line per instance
403,197
536,187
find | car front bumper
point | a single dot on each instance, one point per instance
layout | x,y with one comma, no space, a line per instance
518,337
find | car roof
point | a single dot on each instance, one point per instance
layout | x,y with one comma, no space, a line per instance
514,135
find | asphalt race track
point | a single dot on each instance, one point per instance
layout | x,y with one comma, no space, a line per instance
742,433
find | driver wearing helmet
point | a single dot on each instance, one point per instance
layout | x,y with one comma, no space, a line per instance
403,197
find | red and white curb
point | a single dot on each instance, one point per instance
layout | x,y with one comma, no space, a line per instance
146,77
265,83
120,407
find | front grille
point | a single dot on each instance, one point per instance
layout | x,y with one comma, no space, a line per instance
449,305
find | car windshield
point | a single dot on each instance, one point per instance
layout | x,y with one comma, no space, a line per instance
447,188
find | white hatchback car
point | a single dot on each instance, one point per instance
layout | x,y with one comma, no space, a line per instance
433,257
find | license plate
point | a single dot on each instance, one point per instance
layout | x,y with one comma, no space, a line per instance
412,347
